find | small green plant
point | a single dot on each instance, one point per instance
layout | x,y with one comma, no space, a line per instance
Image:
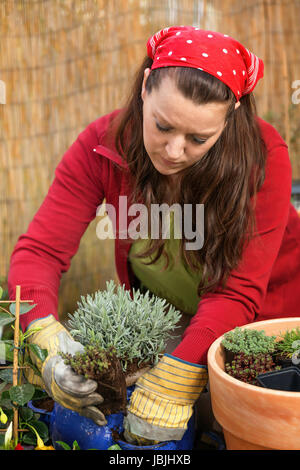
289,344
248,341
75,446
65,446
137,327
105,368
247,367
91,363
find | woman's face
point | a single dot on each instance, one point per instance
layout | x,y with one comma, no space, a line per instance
177,132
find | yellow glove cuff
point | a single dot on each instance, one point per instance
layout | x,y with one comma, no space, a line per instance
158,411
165,395
175,380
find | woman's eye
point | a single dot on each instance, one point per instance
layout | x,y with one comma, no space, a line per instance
194,139
198,141
160,128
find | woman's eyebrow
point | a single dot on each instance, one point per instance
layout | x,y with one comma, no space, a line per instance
202,134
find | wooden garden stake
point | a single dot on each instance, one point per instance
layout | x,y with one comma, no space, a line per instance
15,358
15,367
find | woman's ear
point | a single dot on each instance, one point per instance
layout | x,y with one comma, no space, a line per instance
146,75
237,105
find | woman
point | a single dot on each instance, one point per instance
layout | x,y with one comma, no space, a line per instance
189,134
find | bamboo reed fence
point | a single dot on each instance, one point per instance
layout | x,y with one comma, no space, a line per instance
66,62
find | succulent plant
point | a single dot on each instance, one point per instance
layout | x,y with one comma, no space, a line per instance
248,341
246,367
290,343
104,367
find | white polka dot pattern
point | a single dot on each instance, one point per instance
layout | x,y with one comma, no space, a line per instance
215,53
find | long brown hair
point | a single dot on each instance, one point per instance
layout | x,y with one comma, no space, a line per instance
225,180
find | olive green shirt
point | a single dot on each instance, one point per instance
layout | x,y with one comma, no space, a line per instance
177,284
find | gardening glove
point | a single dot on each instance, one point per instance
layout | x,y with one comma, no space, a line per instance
162,401
71,390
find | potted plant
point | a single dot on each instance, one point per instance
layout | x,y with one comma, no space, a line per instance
254,417
248,353
287,348
123,337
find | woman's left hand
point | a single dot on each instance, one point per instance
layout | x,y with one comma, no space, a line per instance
162,402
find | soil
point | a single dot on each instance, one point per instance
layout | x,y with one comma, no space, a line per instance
46,404
105,368
112,381
134,371
283,360
112,387
117,436
229,355
133,367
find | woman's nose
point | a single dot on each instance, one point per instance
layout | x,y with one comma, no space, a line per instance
175,148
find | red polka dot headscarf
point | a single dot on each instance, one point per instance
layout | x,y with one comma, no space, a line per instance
215,53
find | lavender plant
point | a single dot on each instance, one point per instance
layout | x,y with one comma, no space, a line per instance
137,327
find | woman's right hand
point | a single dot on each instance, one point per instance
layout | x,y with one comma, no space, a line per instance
71,390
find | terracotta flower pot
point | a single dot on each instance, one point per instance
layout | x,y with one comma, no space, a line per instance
254,418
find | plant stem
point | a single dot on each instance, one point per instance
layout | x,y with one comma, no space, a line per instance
6,311
16,357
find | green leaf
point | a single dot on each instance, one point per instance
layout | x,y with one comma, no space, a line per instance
2,386
21,394
24,308
29,438
6,375
1,292
6,403
63,445
41,428
39,394
6,319
114,447
35,369
39,352
75,446
26,413
8,346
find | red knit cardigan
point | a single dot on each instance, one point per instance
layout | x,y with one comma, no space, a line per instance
265,285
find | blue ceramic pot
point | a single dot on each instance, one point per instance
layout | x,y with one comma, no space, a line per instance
68,426
44,415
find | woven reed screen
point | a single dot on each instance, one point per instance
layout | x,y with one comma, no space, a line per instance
65,63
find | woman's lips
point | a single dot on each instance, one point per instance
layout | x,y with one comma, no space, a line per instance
168,162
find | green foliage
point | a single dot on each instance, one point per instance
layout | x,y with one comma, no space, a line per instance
247,367
75,446
248,341
32,423
114,447
27,420
290,342
90,363
137,327
19,395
